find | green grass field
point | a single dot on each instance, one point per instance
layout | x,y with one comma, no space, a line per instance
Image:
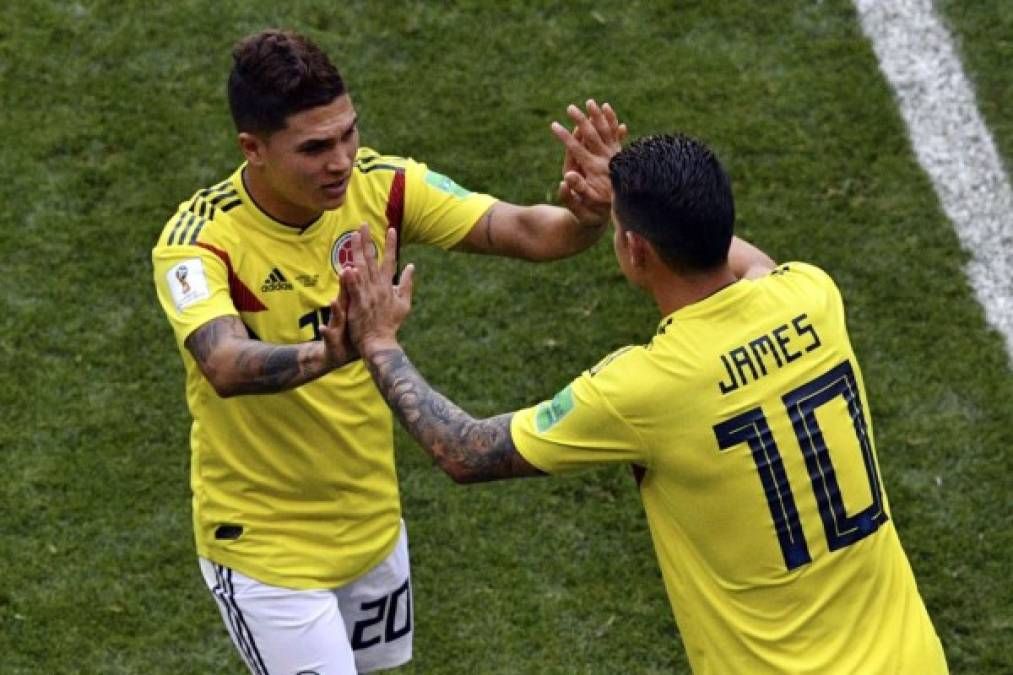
113,112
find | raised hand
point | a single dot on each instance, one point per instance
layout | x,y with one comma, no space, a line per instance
376,308
597,135
336,338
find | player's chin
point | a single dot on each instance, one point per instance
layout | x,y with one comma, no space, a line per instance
332,196
329,203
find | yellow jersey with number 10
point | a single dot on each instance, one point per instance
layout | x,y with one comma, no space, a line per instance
747,421
295,489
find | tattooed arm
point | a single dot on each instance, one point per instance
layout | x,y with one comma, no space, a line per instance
468,450
234,364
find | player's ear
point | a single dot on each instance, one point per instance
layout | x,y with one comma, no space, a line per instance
638,248
253,148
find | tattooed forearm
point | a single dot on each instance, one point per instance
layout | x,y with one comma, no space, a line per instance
469,450
235,364
271,368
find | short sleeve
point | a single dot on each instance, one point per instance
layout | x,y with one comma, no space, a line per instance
438,211
193,287
814,283
578,428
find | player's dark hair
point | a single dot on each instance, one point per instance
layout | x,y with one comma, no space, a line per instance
673,191
277,73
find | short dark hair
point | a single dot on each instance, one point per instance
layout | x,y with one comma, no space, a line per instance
276,73
673,191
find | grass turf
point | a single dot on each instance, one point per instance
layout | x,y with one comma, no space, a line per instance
114,112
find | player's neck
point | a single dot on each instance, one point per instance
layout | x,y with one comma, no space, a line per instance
274,205
674,291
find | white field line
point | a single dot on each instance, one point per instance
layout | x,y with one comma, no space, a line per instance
952,143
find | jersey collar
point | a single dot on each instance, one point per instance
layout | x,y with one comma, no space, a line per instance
264,222
728,295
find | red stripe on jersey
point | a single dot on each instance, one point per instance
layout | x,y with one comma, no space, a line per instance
395,208
242,297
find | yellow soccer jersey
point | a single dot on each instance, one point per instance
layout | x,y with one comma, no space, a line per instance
296,489
748,424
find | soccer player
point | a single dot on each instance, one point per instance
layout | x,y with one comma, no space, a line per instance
745,417
296,511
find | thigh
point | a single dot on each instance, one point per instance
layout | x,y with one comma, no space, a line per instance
280,630
377,610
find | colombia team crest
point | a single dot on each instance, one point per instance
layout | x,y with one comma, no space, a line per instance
341,252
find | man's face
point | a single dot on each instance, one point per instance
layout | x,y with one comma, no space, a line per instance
307,165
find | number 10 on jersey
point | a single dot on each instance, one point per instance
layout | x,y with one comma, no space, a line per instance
751,428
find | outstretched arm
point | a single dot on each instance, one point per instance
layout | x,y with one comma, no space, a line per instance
235,364
537,233
545,232
467,449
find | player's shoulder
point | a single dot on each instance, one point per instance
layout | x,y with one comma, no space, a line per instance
801,273
621,373
368,160
625,382
610,359
204,216
806,283
798,269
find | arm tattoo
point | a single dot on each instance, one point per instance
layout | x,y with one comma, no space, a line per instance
273,368
469,450
203,341
255,367
488,227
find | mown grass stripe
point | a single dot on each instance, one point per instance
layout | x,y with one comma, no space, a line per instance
952,143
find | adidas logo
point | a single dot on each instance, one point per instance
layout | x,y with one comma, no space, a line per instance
275,281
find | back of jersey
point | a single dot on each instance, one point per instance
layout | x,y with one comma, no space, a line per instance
763,490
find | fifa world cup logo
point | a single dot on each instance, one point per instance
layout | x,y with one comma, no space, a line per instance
181,272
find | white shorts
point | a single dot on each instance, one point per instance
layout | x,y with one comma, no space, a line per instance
363,626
